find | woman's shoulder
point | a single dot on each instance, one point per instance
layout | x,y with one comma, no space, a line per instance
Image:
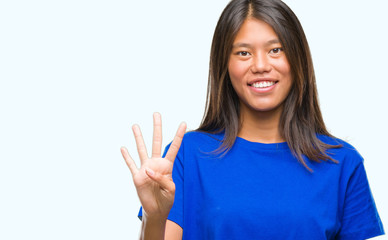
341,150
201,137
200,141
331,140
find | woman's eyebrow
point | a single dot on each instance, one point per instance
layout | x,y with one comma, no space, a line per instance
247,45
273,41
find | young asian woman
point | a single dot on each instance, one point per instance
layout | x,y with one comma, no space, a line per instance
262,164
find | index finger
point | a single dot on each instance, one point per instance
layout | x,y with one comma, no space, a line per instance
176,143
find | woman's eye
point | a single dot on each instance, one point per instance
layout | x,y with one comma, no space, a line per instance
243,53
276,50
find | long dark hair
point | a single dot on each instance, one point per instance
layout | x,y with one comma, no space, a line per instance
301,119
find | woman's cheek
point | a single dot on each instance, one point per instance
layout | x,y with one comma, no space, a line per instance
237,70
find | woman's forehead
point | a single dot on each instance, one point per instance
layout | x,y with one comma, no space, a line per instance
255,31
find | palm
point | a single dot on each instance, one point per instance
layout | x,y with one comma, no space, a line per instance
156,192
151,195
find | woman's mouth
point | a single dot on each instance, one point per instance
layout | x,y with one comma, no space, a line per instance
263,84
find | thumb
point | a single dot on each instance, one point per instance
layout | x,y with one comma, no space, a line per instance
163,181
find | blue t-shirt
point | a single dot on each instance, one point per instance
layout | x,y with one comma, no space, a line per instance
261,191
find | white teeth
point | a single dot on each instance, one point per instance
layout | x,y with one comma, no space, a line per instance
263,84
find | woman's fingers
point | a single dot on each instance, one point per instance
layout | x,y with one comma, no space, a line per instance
163,181
130,163
157,139
141,148
176,143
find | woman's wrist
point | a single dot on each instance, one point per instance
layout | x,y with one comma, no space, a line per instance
153,227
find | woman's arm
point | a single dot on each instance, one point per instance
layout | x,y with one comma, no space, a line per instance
153,182
157,228
173,231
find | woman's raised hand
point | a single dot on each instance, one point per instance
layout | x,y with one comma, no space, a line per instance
153,181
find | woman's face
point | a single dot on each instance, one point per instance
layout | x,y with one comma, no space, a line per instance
258,68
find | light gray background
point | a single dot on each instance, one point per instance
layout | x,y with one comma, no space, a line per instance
76,74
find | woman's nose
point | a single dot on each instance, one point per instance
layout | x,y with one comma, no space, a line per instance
260,63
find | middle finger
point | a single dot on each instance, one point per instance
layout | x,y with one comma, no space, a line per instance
157,139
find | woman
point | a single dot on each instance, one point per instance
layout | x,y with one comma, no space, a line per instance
262,164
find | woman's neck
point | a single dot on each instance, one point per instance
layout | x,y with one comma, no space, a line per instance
260,126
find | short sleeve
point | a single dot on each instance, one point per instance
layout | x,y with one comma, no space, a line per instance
360,218
176,212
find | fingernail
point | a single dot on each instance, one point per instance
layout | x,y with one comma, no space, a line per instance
150,172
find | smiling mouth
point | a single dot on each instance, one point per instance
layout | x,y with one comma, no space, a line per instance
263,84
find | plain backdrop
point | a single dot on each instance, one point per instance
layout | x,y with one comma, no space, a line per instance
76,74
